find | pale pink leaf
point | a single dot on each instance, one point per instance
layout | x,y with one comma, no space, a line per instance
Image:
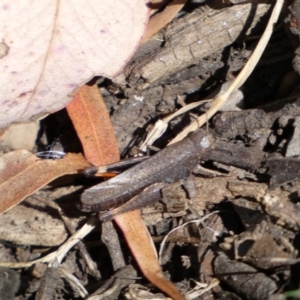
48,48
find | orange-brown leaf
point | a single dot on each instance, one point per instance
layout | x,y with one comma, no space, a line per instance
138,239
160,20
91,120
22,173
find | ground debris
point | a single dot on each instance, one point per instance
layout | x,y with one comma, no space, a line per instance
248,199
244,279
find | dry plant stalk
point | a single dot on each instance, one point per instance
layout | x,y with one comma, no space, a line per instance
220,100
161,125
54,259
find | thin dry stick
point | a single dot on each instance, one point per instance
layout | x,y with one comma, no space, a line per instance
162,245
221,99
201,288
91,265
75,283
161,125
54,259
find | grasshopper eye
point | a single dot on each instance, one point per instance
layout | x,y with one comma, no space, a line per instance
205,143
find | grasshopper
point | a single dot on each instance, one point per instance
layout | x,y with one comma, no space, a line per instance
142,183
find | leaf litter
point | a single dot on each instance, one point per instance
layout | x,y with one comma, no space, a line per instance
101,140
257,226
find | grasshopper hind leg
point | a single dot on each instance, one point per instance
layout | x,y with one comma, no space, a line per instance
148,196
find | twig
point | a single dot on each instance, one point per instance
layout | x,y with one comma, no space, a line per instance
193,221
54,259
221,99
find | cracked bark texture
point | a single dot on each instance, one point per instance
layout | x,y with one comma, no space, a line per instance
215,29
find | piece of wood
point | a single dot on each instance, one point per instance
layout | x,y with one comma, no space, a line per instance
215,30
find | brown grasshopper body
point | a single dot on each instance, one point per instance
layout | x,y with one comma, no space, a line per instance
171,164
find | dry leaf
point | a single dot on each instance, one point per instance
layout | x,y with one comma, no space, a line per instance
89,115
138,239
160,20
142,248
49,48
22,174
